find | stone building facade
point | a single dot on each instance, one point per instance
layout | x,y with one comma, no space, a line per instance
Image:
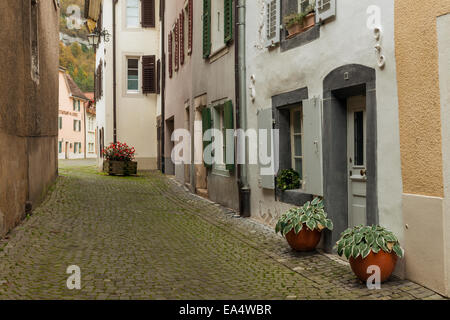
29,105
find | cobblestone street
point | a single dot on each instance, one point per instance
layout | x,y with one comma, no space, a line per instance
147,238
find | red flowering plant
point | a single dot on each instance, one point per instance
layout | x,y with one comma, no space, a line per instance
119,152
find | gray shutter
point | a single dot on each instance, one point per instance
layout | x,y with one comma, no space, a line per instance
273,22
312,136
265,121
325,9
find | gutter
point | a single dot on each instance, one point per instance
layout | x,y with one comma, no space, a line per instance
163,84
241,105
114,75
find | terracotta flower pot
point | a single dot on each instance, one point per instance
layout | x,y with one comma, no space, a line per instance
306,240
309,22
385,261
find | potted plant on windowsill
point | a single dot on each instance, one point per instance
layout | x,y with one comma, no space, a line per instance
367,246
288,179
303,226
119,160
300,22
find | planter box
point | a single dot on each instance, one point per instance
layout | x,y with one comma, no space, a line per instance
308,23
120,168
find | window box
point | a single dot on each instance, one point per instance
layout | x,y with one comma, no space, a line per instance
120,168
294,197
308,22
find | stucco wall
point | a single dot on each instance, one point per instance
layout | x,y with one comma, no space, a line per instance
418,92
28,115
344,40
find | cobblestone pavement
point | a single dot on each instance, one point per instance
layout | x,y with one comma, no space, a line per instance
147,238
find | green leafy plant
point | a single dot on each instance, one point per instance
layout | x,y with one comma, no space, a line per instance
297,18
288,179
312,215
361,240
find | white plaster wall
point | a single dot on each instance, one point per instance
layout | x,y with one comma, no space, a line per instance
136,114
345,40
443,29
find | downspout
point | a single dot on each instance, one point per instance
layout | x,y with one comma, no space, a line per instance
163,84
241,106
114,74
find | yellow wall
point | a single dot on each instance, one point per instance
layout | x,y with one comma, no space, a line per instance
419,97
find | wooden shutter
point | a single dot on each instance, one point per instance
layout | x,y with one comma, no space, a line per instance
312,139
325,9
191,26
206,28
206,125
228,20
170,55
273,22
265,125
148,13
228,122
158,76
100,79
177,45
148,74
182,37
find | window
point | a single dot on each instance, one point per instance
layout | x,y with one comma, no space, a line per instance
359,138
91,147
74,105
132,13
304,4
217,25
75,147
77,125
60,122
223,121
79,105
34,39
297,140
133,75
60,147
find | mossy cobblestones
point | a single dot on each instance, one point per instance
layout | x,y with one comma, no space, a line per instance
145,237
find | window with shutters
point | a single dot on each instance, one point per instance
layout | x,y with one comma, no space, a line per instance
132,13
148,13
170,49
132,74
190,25
148,74
182,37
217,25
223,120
272,22
78,106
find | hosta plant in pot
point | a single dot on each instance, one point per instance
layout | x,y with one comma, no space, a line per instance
119,159
368,246
303,226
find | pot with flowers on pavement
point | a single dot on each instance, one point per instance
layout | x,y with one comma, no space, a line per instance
303,226
119,160
368,246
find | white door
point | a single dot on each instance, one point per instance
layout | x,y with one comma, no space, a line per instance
356,155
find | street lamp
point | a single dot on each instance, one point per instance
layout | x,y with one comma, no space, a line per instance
94,38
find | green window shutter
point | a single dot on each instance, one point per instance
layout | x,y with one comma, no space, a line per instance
228,20
206,125
228,122
206,28
74,105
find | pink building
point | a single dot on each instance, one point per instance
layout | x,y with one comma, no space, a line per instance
71,121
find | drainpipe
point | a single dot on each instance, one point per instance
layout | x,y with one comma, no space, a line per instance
114,74
241,105
163,84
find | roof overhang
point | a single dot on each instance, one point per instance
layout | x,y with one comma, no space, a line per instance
92,9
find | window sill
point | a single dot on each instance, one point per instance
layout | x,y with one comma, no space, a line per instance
218,53
295,197
220,171
300,39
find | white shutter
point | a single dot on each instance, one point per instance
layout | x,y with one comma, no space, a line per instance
266,147
273,22
312,135
325,9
